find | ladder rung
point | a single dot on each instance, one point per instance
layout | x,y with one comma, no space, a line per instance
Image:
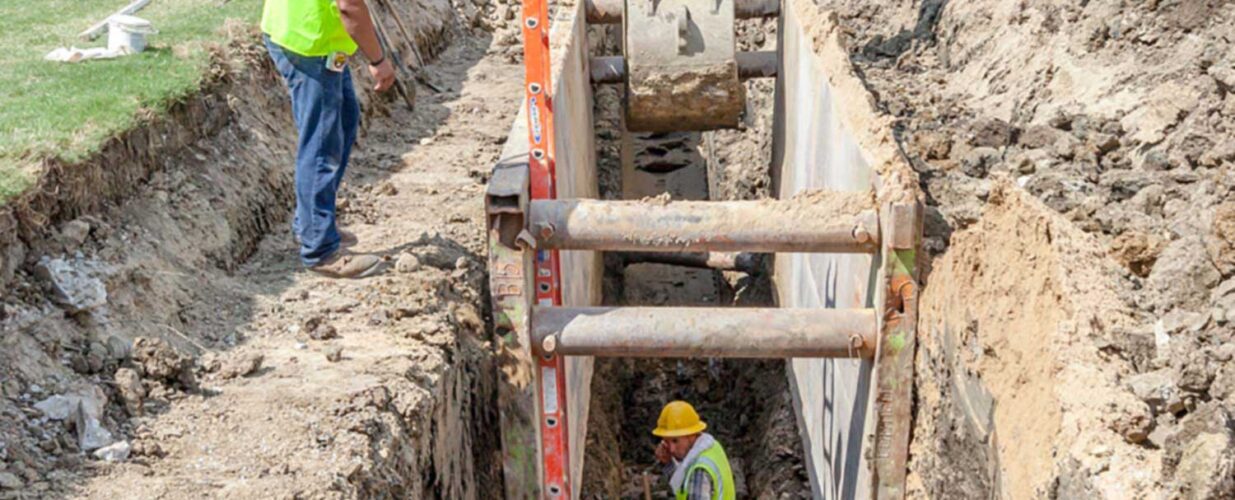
717,226
684,332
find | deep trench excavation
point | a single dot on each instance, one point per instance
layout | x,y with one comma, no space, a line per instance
746,403
1071,336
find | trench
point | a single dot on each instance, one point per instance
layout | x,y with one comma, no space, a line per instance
746,403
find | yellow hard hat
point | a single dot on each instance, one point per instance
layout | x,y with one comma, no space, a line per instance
678,419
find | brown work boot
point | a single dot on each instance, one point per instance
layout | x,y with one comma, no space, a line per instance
348,265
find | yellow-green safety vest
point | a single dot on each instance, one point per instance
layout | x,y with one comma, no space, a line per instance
716,463
307,27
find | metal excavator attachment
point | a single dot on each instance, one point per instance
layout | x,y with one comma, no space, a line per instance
681,72
679,62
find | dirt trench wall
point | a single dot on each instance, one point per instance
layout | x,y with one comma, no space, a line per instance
830,135
124,163
1015,398
65,190
174,209
576,178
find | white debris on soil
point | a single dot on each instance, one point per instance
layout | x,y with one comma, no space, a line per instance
115,452
83,408
407,263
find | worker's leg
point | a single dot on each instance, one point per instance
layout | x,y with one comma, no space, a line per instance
317,106
351,123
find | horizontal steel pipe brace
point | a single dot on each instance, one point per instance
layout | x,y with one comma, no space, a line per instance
610,11
688,332
760,64
701,226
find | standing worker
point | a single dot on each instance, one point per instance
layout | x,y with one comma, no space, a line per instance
310,42
694,461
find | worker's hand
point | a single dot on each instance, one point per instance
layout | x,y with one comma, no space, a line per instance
662,452
383,74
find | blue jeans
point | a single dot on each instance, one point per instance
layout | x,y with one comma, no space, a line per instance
327,115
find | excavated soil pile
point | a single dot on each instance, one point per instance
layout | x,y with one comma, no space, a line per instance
1116,117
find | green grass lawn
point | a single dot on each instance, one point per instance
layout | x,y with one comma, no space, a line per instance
67,110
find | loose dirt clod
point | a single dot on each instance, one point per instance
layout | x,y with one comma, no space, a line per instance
317,328
241,366
333,353
129,383
157,360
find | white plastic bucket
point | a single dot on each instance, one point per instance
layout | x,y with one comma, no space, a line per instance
127,34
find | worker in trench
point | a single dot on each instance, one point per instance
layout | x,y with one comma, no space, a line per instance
310,42
694,461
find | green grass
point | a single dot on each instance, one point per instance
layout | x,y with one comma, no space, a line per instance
57,109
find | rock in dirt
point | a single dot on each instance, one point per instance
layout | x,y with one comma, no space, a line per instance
978,162
1134,422
129,383
90,432
1221,241
62,406
74,234
334,353
84,407
386,189
73,288
157,360
1182,275
1196,374
992,133
241,366
1202,455
317,328
1157,389
441,256
1224,75
407,263
1040,136
1223,386
10,481
115,452
147,448
57,407
118,348
1137,251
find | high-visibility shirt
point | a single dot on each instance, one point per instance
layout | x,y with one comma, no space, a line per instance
716,464
306,27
